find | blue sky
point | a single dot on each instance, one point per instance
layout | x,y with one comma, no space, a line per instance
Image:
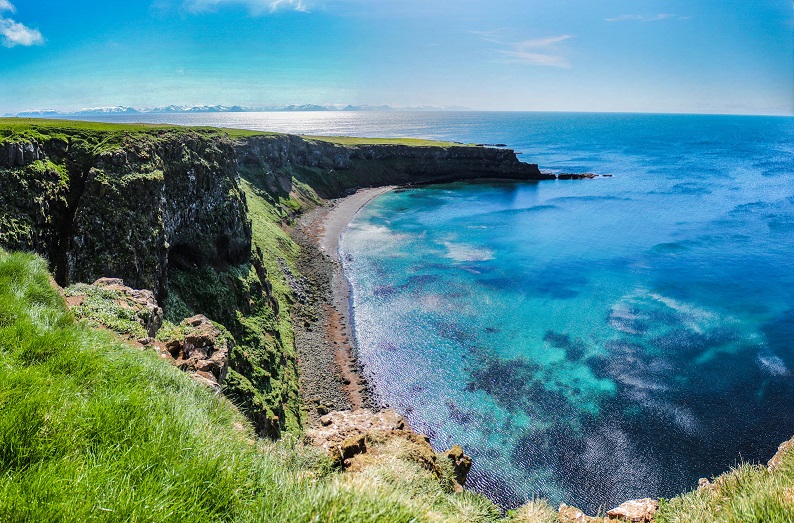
702,56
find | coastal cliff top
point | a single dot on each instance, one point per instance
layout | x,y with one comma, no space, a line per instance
15,129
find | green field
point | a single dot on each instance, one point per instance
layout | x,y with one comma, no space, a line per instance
14,129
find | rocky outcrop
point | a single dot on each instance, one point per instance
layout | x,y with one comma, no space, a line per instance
20,154
634,511
461,463
147,312
197,345
354,438
201,349
128,312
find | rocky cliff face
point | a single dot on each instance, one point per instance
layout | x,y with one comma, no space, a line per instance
128,211
334,170
172,198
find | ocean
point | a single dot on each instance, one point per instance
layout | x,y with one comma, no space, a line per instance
586,341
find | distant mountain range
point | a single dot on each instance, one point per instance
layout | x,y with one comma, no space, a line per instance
95,111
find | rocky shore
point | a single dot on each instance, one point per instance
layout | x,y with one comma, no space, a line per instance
331,379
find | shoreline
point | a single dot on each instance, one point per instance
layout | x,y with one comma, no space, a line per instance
331,375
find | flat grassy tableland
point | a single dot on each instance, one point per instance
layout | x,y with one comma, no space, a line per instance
413,142
14,129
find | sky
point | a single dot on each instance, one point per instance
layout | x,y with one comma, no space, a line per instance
685,56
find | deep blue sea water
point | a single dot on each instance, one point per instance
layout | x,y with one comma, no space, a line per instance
589,341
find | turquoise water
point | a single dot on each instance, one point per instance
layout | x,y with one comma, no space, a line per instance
590,341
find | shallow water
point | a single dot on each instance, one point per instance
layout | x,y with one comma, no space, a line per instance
591,341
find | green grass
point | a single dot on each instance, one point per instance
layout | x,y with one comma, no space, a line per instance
413,142
747,494
88,139
25,129
101,307
94,430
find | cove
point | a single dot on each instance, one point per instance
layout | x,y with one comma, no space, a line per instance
585,341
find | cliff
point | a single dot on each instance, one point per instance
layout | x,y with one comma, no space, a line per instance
130,208
132,203
335,169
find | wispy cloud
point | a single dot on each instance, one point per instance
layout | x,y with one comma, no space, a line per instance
256,7
646,18
539,51
13,33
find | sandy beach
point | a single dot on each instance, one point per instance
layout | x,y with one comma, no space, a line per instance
331,378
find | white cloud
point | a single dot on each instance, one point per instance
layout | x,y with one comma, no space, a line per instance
525,57
256,7
646,18
543,42
540,51
13,33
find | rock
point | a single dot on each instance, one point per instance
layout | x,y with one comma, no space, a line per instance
138,307
777,460
575,176
568,514
353,445
107,282
636,511
346,435
461,463
148,312
204,350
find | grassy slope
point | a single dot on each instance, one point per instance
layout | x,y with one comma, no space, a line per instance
94,430
747,494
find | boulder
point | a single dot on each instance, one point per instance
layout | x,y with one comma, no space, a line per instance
461,463
636,511
777,460
204,350
568,514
